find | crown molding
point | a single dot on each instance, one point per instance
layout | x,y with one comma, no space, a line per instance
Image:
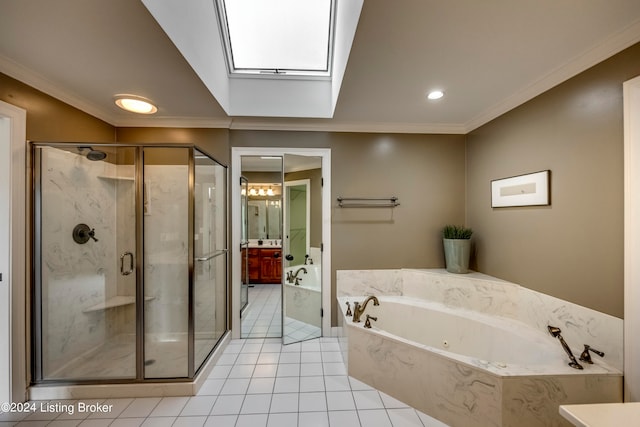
579,63
41,83
343,126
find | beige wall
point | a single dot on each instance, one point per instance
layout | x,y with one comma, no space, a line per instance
572,249
49,119
214,141
426,173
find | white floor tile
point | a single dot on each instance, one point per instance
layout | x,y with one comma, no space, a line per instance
254,420
310,369
141,407
284,402
211,387
241,371
311,384
159,422
430,421
334,369
169,407
220,371
292,357
332,357
189,422
368,399
55,423
247,359
313,419
407,417
235,386
392,403
268,358
287,385
265,371
340,401
284,420
228,405
127,422
261,385
271,348
311,357
337,383
312,402
96,422
358,385
375,418
256,404
198,405
343,418
221,421
288,370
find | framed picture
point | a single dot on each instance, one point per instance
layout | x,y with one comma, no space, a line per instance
523,190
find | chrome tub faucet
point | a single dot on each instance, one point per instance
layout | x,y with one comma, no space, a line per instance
556,334
293,277
586,357
358,308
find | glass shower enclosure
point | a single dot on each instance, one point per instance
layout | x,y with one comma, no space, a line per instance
129,262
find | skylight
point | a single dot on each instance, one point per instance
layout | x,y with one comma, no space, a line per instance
278,37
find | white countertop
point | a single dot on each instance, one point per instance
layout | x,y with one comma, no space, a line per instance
601,414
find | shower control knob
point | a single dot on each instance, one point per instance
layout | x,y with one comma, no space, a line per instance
82,233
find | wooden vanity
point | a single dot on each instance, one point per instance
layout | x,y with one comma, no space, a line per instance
265,265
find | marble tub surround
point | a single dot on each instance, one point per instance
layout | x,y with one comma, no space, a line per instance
450,377
488,295
303,301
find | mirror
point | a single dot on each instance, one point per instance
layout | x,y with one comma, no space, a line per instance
264,217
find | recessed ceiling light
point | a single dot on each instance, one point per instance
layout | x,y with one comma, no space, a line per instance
435,94
135,104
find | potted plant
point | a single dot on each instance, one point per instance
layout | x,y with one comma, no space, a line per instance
457,248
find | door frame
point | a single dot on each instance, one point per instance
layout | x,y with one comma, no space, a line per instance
236,171
631,94
13,333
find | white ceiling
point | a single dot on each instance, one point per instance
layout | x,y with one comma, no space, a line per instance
487,55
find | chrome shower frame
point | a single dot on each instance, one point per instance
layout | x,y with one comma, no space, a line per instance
35,300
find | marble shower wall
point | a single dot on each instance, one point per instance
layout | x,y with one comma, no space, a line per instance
76,276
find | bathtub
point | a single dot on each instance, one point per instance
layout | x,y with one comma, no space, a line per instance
303,301
465,367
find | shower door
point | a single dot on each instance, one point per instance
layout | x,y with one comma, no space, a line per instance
85,231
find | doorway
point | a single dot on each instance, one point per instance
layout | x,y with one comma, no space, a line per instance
321,258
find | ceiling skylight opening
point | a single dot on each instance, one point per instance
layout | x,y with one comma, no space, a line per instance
278,37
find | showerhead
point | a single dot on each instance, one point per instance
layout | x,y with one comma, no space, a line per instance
96,155
93,155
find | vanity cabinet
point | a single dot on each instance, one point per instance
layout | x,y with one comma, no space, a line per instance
265,265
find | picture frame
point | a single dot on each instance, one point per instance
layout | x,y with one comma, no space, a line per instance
532,189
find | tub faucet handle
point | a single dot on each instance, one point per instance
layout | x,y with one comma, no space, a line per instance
367,323
349,313
586,357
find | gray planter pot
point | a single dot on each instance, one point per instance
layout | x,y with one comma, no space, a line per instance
456,255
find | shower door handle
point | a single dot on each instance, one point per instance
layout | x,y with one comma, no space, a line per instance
130,270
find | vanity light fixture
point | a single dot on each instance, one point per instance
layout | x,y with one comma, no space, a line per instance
135,104
270,192
261,192
435,94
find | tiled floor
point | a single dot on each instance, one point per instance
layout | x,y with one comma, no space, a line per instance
263,317
256,383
